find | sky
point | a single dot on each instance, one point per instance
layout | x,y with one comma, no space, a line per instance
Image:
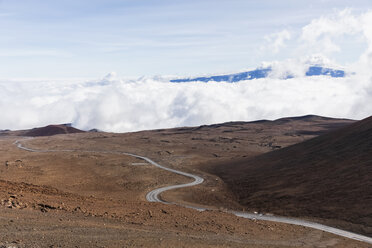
90,38
107,64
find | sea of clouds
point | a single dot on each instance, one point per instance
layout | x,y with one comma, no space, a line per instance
120,105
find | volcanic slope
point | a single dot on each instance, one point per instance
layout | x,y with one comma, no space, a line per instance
50,130
327,177
82,198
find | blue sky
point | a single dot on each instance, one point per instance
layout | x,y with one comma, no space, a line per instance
55,55
88,39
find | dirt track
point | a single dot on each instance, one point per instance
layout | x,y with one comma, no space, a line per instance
71,199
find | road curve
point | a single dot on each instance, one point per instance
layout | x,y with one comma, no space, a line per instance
153,196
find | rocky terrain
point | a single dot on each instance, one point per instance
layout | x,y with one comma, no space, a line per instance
91,198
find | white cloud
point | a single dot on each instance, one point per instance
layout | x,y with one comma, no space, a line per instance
335,25
336,35
120,105
146,104
322,35
276,41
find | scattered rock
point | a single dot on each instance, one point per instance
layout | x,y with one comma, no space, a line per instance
46,206
79,209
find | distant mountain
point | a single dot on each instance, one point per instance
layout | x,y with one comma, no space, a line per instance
51,130
262,73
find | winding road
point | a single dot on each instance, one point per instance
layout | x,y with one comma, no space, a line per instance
154,196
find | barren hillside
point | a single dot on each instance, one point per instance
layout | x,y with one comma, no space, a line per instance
329,177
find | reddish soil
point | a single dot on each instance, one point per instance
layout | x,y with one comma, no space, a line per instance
92,199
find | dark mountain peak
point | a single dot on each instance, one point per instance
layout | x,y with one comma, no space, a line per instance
52,130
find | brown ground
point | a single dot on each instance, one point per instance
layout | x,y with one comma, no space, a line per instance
328,177
90,199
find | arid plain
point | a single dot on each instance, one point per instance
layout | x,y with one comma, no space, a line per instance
94,196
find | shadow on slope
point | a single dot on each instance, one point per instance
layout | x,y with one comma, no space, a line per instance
327,177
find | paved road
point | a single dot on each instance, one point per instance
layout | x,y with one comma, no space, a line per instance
154,196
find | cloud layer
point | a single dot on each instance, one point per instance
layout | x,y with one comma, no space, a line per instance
120,105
